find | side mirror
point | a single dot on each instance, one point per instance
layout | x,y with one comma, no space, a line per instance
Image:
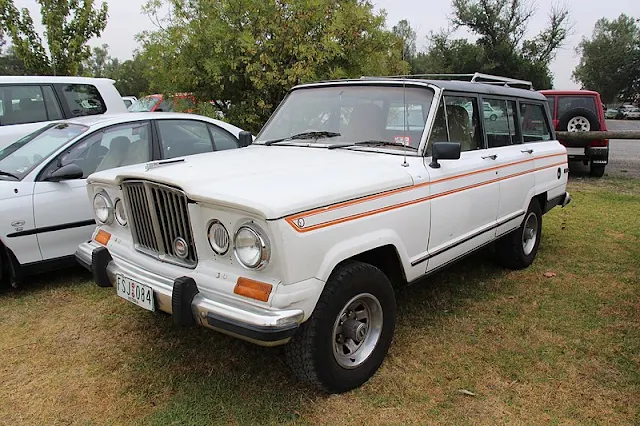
70,171
444,151
245,138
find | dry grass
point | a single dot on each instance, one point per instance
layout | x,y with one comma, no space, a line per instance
532,350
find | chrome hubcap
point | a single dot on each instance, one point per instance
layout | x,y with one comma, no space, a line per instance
530,233
357,330
578,124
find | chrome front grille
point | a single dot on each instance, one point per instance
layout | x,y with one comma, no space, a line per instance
158,216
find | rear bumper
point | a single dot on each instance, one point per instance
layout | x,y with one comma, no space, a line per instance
562,201
182,299
595,154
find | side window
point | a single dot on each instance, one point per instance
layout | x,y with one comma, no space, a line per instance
183,137
500,125
51,103
113,147
22,104
83,99
222,139
457,121
551,100
533,122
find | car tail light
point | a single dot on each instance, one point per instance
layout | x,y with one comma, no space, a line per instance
602,142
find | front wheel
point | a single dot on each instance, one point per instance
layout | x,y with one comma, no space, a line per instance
347,337
518,249
493,117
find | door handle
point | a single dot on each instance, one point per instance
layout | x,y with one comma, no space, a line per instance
528,151
493,157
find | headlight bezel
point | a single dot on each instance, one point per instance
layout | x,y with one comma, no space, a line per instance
120,221
263,242
222,251
108,205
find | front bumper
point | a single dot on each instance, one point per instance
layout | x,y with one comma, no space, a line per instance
182,299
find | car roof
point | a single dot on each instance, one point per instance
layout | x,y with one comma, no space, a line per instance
101,120
32,79
554,92
450,85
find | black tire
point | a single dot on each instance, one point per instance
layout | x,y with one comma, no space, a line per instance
510,249
594,122
493,117
596,170
310,352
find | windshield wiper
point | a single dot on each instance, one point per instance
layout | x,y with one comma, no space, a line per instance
371,142
2,173
305,135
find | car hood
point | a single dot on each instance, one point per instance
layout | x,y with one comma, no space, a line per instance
273,181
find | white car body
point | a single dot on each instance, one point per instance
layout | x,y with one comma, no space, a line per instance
632,113
42,222
128,100
59,105
317,208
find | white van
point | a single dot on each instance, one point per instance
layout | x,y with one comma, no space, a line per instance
29,102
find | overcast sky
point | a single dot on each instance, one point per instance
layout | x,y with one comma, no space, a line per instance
126,20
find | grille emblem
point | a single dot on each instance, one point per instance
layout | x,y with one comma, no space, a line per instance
180,248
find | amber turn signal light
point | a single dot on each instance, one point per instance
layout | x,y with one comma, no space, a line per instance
102,237
253,289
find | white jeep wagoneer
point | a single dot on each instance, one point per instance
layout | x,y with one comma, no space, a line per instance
350,188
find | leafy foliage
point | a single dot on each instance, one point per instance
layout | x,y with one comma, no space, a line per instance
245,54
500,48
610,60
69,24
404,31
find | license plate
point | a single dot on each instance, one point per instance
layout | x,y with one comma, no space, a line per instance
134,292
575,151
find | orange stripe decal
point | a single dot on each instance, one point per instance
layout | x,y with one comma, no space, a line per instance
297,220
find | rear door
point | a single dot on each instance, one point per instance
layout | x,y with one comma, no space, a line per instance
512,162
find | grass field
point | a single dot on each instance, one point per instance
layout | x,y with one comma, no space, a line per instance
530,349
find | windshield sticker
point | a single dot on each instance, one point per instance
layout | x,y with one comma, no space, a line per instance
405,140
22,169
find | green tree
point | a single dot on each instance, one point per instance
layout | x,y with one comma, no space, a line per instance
405,32
610,60
130,76
98,62
69,25
245,54
501,47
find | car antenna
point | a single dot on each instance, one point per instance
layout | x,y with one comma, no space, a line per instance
404,127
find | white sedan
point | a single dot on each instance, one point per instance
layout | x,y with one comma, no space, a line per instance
44,210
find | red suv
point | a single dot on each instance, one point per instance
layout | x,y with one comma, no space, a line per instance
580,111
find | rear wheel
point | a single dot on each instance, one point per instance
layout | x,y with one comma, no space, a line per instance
518,249
596,170
347,337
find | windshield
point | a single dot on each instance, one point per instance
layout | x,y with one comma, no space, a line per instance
357,112
144,104
22,156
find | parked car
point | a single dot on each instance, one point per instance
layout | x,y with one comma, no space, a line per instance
28,102
157,103
128,100
581,111
613,114
299,238
43,200
632,113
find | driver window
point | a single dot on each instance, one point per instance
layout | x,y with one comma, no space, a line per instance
457,121
115,147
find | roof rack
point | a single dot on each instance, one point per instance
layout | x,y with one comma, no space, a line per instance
473,78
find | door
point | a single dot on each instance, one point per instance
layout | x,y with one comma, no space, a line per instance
63,213
464,194
513,163
16,220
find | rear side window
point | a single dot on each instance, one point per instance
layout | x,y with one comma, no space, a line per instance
83,99
500,126
533,122
23,104
551,100
566,103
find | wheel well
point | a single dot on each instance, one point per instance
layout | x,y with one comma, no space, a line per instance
10,267
542,200
386,259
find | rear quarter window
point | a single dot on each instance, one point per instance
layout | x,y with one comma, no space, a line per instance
83,99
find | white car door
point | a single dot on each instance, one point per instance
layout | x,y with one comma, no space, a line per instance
513,165
16,220
62,210
464,194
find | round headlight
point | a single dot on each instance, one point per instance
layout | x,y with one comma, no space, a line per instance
103,208
121,215
251,247
218,237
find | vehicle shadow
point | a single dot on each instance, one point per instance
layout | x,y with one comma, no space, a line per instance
69,276
249,382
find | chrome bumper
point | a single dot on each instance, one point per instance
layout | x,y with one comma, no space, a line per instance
566,200
182,299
